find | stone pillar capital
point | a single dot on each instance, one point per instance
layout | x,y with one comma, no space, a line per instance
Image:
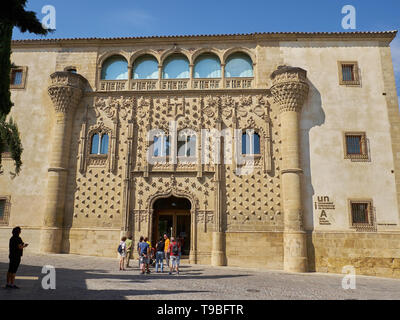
289,88
66,90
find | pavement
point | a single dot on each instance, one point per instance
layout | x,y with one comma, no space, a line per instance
96,278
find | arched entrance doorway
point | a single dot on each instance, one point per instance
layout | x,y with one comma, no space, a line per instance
172,216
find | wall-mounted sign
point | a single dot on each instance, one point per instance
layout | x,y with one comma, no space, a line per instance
322,207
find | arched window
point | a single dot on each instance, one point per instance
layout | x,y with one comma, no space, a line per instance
115,68
145,67
187,145
104,144
238,65
250,142
99,143
161,146
207,66
176,66
95,144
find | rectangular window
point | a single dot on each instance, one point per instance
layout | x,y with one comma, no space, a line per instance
18,77
4,210
360,212
362,217
348,73
356,145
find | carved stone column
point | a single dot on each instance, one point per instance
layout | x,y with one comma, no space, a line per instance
218,254
193,237
66,90
290,90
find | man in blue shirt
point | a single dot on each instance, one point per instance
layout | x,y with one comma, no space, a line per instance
144,250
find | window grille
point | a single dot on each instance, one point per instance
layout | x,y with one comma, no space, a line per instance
356,145
348,73
18,77
362,215
4,210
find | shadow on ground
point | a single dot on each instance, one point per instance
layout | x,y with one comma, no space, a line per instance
72,284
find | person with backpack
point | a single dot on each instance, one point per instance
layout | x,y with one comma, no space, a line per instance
138,249
180,241
146,239
174,249
160,254
122,253
144,250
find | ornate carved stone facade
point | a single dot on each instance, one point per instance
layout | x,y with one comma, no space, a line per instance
266,199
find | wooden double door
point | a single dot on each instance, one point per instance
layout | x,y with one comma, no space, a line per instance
175,223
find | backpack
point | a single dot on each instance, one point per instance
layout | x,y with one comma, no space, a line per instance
120,248
175,249
160,246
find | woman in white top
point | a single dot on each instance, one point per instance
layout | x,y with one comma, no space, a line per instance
122,253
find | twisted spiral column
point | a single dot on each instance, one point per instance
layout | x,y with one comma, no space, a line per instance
289,91
65,91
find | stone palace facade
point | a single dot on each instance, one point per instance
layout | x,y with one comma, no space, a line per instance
302,129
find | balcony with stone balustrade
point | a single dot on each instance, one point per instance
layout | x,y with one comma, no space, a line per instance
176,84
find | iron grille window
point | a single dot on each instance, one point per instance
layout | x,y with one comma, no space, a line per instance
348,73
353,144
360,213
4,210
356,146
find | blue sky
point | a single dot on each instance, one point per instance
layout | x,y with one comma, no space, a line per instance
124,18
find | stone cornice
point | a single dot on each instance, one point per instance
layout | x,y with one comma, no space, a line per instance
258,36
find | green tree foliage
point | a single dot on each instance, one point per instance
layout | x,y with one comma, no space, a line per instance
12,14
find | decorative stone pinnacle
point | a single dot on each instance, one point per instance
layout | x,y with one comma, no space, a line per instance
66,90
289,88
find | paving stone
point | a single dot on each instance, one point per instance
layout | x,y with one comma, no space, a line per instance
95,278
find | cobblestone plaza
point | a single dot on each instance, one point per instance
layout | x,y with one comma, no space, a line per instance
95,278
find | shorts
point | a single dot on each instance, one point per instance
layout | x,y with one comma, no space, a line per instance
174,261
14,264
144,260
